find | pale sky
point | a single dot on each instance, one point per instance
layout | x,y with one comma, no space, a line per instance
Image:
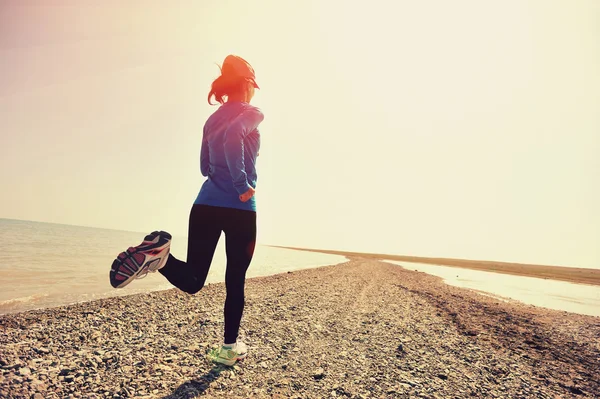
466,129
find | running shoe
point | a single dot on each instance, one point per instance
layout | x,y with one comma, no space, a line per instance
230,354
137,262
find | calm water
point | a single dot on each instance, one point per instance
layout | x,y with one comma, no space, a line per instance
44,265
552,294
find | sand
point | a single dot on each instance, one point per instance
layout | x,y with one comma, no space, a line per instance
361,329
561,273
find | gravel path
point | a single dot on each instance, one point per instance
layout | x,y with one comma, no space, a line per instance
362,329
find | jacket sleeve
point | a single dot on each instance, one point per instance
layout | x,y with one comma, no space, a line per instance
235,134
204,157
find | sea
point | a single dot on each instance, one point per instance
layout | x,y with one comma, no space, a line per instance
46,265
551,294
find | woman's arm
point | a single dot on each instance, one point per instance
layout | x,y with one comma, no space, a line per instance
243,125
204,157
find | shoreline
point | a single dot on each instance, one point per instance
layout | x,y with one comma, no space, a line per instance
560,273
359,329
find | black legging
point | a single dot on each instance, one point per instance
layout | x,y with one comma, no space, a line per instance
206,225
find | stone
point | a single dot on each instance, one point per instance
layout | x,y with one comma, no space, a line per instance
319,374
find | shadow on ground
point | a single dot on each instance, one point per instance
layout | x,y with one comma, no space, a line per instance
193,388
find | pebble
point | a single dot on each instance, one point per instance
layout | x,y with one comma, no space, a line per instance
359,330
319,374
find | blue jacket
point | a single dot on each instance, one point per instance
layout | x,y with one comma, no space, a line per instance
230,145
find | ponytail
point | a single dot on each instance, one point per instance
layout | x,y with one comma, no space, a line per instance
223,87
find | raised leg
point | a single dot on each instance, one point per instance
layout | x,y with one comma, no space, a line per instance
204,231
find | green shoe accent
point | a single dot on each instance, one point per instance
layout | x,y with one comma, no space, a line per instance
225,356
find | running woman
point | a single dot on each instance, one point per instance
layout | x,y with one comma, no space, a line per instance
225,203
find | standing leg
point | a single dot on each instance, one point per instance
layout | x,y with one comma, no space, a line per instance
204,231
240,240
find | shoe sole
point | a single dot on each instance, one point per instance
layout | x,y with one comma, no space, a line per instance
134,260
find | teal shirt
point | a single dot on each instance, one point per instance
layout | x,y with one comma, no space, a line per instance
230,145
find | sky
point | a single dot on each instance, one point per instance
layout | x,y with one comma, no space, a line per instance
463,129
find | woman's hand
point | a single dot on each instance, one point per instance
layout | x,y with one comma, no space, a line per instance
247,195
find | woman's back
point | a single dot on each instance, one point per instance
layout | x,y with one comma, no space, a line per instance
230,146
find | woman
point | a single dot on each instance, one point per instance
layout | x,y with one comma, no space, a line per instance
225,203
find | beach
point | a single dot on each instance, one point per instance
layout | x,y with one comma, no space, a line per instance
562,273
360,329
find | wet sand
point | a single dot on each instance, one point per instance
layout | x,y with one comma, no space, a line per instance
361,329
569,274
